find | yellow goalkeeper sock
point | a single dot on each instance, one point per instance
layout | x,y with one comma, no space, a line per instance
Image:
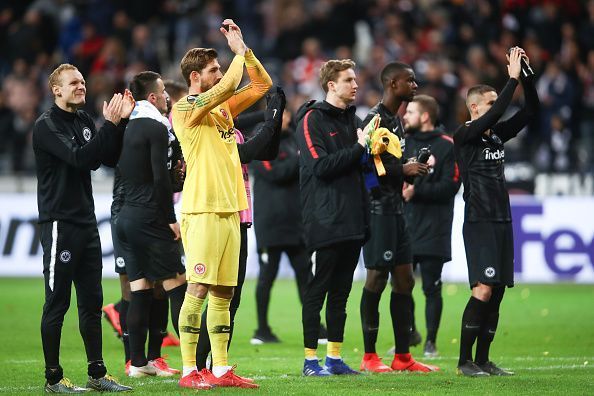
218,321
189,329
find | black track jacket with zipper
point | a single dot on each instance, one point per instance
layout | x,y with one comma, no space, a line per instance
430,212
67,147
333,196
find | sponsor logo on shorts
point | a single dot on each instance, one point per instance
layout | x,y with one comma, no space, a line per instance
87,133
65,256
120,262
489,272
388,255
200,269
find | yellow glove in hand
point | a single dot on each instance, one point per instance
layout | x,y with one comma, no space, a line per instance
382,140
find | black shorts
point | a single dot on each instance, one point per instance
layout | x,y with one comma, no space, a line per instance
148,249
389,244
120,263
489,253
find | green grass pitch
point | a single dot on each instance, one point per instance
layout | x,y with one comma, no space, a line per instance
546,335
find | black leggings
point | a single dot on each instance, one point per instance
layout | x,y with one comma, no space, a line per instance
431,267
269,259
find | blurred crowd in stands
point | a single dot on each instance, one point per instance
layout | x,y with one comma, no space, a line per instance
451,44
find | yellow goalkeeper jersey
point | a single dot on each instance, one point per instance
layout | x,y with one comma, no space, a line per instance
204,126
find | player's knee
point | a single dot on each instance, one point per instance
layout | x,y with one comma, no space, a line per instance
198,290
432,289
376,281
482,292
403,284
225,292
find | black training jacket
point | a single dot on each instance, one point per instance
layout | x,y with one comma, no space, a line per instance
144,172
430,212
67,147
333,195
277,209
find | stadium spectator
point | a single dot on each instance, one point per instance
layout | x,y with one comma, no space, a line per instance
334,209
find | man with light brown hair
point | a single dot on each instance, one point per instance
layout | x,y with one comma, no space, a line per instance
67,147
334,209
213,194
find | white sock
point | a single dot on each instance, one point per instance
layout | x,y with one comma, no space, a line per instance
315,358
334,357
188,370
219,371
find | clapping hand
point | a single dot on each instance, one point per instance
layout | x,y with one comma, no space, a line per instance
128,104
112,111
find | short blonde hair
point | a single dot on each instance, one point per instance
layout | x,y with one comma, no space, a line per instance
196,59
56,77
330,70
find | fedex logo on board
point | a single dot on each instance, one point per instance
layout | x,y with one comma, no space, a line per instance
566,252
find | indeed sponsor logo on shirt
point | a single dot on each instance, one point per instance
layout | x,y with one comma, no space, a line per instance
493,155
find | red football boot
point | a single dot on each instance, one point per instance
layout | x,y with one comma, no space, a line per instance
194,381
113,317
373,364
405,362
229,379
170,340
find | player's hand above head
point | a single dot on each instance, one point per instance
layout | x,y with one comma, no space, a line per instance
112,111
176,232
514,67
275,104
234,38
230,25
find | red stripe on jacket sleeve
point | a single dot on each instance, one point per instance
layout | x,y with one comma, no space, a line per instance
267,165
310,146
456,172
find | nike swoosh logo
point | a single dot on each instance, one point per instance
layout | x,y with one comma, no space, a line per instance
472,327
333,133
274,113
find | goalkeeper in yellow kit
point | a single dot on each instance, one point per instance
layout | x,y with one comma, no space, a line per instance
214,193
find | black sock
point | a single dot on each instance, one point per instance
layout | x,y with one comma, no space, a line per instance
489,327
370,318
124,305
472,319
203,346
53,375
176,299
485,338
97,369
413,322
433,315
138,320
118,306
401,312
157,327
